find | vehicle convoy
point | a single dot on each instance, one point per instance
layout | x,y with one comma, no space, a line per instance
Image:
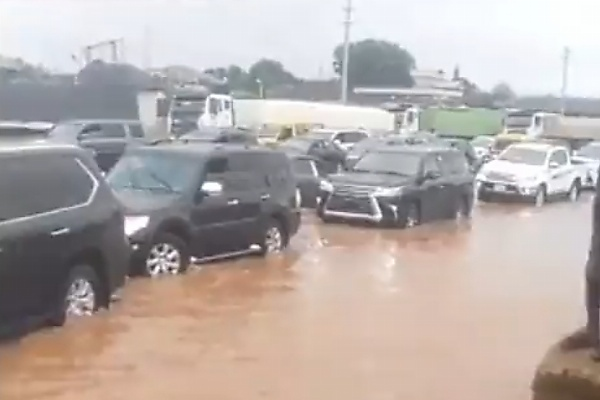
400,186
535,171
205,201
105,139
63,250
329,154
309,176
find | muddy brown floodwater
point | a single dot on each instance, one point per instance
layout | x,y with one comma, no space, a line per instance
445,312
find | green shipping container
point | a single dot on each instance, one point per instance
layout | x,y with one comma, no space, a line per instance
462,122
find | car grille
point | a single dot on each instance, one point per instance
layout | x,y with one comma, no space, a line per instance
500,176
357,205
353,190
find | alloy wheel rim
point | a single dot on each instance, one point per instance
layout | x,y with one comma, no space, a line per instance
163,259
273,240
81,298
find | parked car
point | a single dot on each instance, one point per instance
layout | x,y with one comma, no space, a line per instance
329,155
63,250
106,139
529,170
401,186
221,135
345,138
587,158
205,201
309,177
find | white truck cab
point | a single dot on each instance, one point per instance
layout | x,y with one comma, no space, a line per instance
531,170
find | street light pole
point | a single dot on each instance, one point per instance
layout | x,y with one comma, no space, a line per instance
565,79
346,58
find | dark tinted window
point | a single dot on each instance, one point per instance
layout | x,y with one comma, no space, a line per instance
36,184
113,130
350,137
559,157
453,163
393,163
136,130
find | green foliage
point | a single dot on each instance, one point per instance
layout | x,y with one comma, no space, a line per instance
376,63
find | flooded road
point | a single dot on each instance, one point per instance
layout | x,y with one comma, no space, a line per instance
445,312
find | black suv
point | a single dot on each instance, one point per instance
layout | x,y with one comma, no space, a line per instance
106,139
204,200
221,135
63,249
401,186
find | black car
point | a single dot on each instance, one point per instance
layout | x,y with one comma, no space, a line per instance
63,249
390,139
221,135
309,177
329,155
106,139
204,200
401,186
345,138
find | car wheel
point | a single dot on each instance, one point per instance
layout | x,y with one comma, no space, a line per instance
81,297
540,196
168,255
274,238
574,190
413,216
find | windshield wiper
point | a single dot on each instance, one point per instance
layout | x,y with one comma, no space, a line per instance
161,181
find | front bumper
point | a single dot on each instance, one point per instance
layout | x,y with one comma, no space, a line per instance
359,208
514,189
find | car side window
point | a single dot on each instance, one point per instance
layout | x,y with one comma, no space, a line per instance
113,131
247,172
213,106
559,157
431,165
136,130
33,185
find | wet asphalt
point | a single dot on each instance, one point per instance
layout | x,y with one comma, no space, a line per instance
442,312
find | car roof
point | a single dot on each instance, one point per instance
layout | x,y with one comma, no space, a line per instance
8,147
100,121
540,146
420,148
194,148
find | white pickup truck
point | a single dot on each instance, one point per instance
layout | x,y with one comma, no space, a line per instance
535,171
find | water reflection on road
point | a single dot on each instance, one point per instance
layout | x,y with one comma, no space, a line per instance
445,312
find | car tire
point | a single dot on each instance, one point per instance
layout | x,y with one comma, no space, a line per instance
274,238
412,217
540,196
574,191
168,255
81,295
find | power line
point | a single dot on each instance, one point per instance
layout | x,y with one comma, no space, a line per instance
347,25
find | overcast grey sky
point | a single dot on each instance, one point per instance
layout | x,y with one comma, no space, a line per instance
516,41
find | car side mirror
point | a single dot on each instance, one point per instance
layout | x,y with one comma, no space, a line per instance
553,165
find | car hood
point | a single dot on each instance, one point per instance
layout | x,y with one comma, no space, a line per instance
511,168
137,202
369,179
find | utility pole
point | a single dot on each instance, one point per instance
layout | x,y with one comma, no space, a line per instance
566,58
347,24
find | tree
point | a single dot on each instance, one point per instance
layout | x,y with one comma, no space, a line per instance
502,93
376,63
271,73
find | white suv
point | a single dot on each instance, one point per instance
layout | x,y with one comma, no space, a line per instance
530,170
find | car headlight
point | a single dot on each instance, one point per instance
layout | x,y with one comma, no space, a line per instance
326,186
135,223
388,191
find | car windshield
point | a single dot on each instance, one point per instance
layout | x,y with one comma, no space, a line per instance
523,155
302,144
590,151
153,172
393,163
302,167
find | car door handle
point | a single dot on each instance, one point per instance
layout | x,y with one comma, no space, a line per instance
60,232
233,202
265,197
